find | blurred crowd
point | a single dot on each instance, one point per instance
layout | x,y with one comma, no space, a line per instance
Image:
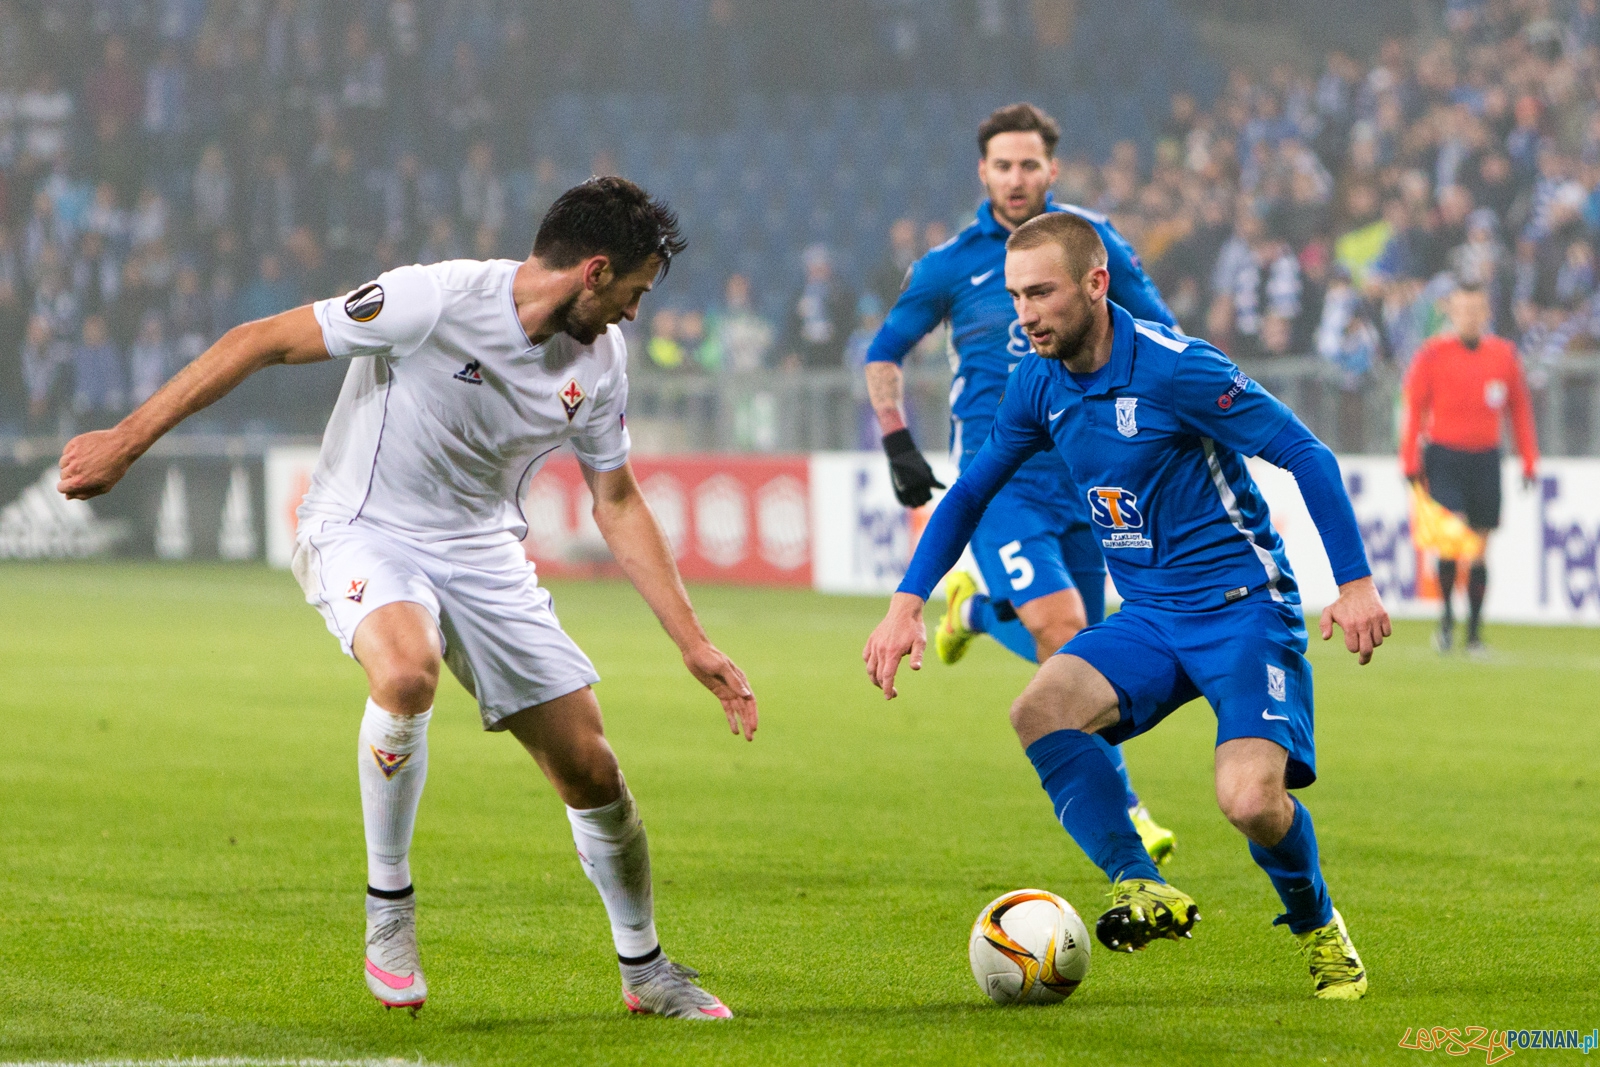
169,168
1327,212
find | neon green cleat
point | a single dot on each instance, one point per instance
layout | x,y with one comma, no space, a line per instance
1160,842
1143,910
953,637
1335,967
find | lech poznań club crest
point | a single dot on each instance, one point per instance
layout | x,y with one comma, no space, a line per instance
1127,426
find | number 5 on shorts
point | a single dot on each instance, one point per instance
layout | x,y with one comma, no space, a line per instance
1017,565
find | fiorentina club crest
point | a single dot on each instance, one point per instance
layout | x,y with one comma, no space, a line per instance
357,590
1126,424
388,762
572,396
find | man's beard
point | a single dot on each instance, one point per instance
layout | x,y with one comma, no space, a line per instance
564,320
1032,211
1069,345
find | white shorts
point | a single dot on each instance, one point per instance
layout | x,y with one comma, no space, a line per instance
501,637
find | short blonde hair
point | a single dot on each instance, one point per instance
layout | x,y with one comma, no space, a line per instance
1076,236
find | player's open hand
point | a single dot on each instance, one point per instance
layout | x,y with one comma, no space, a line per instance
92,463
901,633
719,674
1360,613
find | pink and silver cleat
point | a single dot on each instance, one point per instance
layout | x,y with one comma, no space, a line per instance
669,989
394,973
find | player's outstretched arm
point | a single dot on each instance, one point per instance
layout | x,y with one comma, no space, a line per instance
901,633
1360,613
94,462
641,549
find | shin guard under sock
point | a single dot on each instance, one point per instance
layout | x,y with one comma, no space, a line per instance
1087,797
1120,763
1296,874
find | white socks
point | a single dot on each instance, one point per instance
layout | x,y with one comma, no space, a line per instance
393,761
616,857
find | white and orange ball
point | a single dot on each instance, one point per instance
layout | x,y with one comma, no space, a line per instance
1029,947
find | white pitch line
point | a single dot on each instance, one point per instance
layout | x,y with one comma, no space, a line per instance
217,1061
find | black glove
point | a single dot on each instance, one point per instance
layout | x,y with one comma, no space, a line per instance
913,479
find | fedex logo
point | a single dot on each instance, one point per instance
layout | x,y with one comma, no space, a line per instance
1115,508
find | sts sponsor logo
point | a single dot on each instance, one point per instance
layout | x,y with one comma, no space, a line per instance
1117,510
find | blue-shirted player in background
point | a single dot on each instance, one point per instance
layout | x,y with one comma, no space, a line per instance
1044,572
1154,428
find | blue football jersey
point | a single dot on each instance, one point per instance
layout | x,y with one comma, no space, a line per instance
1155,448
964,281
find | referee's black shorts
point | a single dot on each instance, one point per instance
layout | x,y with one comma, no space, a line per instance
1468,483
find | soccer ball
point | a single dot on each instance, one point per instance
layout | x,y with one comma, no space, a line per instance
1029,947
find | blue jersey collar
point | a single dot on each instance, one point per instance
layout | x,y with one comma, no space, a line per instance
1120,369
988,224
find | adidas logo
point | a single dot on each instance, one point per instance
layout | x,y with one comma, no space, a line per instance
472,373
43,524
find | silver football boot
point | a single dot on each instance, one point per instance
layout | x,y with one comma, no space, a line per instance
662,987
394,973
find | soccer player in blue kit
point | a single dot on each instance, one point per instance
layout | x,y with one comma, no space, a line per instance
1154,428
1044,572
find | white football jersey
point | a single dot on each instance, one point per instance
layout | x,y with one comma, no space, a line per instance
448,410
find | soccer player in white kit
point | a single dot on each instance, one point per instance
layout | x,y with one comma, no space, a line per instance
464,377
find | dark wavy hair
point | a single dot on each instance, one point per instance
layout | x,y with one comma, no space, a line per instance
608,216
1019,118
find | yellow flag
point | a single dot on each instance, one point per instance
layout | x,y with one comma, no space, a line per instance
1437,529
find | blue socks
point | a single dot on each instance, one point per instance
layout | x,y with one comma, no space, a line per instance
1087,797
1004,627
1118,761
1296,874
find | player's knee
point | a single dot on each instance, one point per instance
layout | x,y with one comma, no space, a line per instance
1255,807
590,777
1041,710
402,680
404,685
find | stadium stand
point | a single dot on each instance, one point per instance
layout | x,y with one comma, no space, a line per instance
171,167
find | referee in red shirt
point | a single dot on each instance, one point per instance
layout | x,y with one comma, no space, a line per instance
1459,387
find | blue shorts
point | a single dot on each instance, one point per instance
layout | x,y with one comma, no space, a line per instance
1027,549
1247,659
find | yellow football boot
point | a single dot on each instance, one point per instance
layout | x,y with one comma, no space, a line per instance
1335,967
1143,910
952,637
1160,842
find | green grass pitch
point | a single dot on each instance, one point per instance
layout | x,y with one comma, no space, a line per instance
180,842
